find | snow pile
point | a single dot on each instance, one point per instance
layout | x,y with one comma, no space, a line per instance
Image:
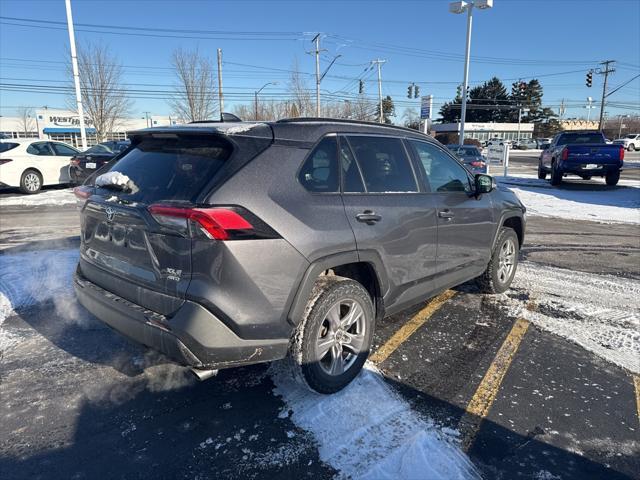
116,179
366,431
29,278
598,204
601,313
49,197
238,128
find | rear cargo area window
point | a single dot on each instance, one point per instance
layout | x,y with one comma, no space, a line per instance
6,146
320,170
172,169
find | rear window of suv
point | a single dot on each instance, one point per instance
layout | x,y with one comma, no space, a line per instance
175,168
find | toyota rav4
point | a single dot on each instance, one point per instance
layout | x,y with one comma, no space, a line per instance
227,244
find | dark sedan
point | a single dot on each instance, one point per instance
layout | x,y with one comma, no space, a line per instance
470,155
87,162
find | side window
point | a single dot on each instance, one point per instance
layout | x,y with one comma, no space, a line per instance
350,171
442,172
320,170
384,164
40,148
63,150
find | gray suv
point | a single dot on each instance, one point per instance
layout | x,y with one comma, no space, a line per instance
227,244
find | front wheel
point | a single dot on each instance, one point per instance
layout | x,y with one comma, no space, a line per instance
542,174
612,178
556,175
30,182
631,147
499,274
333,339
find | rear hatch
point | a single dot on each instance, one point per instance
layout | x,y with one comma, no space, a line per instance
133,243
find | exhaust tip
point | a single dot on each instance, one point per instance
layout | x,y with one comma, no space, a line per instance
202,374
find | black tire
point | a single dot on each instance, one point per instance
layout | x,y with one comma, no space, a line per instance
612,178
30,182
556,175
587,177
493,280
310,367
542,174
631,147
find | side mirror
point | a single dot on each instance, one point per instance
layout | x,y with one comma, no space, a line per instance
484,184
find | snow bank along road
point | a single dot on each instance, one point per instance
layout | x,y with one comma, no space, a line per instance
79,400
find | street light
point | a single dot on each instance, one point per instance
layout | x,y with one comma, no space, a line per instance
620,127
457,8
255,110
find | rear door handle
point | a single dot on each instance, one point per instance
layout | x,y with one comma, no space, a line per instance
447,214
369,217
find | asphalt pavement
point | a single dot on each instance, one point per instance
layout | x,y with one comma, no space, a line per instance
79,401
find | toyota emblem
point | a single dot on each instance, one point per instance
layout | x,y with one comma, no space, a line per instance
110,213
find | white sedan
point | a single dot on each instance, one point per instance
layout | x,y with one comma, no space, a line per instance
30,164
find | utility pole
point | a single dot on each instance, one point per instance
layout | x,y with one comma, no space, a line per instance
465,83
146,117
76,74
316,39
562,109
606,73
379,63
220,94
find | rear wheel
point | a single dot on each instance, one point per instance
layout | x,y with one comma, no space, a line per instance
556,175
333,340
612,178
499,274
631,147
542,174
30,182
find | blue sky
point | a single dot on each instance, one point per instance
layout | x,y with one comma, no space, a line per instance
421,41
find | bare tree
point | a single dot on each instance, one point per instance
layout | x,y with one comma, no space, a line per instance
302,106
26,120
104,97
195,91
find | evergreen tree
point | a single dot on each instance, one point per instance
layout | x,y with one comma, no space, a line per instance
388,109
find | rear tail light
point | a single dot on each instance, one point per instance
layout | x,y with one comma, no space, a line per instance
216,223
5,160
477,164
83,192
621,153
565,154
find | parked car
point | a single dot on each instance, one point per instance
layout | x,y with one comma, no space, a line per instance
542,141
89,161
526,144
226,244
470,156
581,153
630,142
30,164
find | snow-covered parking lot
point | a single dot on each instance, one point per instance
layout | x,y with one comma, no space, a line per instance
80,401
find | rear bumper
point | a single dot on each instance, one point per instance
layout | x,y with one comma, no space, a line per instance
581,169
192,336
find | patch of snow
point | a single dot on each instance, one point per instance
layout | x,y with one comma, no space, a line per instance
116,178
601,313
237,128
598,204
391,441
48,197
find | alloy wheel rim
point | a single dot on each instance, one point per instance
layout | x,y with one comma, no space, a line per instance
31,182
341,337
506,260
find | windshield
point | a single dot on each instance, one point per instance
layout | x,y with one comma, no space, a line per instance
468,151
6,146
569,138
631,135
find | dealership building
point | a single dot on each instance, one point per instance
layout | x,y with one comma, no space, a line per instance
486,131
64,126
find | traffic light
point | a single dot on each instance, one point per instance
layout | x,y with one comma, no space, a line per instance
361,87
416,91
589,78
410,91
523,88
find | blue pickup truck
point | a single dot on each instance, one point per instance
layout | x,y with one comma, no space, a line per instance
582,153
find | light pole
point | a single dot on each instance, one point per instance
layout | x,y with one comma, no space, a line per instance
620,126
589,107
255,105
457,8
520,111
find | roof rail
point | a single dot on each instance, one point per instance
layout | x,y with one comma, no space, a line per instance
346,120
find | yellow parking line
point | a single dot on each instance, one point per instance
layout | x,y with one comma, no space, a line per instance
636,383
410,327
488,389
